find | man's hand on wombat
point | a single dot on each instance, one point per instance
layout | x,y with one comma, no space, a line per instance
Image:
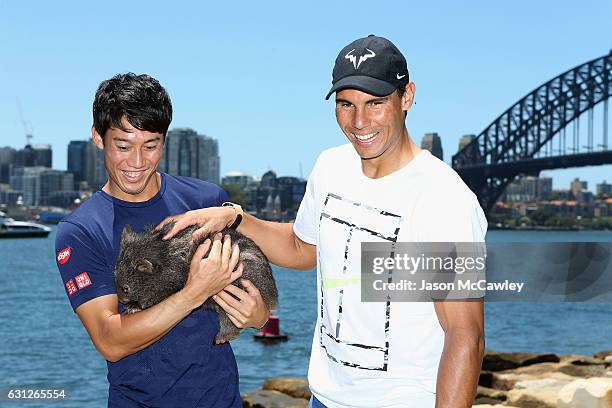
245,308
209,220
208,276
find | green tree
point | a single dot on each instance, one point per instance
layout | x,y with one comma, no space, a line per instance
235,193
541,216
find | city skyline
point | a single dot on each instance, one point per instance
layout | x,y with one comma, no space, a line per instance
95,173
232,77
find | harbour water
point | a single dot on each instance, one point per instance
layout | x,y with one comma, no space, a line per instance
43,343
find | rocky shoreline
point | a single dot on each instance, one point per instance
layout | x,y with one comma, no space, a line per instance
524,380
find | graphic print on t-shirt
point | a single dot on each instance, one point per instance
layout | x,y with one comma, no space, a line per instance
352,333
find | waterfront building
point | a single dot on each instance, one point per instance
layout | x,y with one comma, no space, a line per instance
38,185
77,159
238,178
187,153
7,158
433,143
523,189
544,187
95,172
38,155
603,189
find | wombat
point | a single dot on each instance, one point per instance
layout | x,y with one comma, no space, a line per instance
149,269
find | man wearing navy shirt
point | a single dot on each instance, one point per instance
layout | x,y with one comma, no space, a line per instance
164,356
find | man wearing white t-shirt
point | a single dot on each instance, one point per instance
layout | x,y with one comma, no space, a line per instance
378,188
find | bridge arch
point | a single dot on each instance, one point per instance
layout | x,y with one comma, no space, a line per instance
510,145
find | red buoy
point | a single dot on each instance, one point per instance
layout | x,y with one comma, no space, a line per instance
271,331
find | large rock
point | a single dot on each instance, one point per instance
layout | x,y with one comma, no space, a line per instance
484,405
489,406
583,371
294,387
535,369
494,361
508,380
602,354
271,399
486,395
575,370
587,393
534,397
537,392
577,359
485,379
486,401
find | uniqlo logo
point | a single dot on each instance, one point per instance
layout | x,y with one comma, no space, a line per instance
82,280
71,287
64,255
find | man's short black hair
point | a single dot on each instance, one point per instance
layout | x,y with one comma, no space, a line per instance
141,99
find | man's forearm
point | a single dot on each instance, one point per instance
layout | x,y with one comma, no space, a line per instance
125,334
459,369
278,242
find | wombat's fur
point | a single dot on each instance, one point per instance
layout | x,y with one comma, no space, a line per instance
149,269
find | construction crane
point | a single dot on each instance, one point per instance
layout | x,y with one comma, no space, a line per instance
26,127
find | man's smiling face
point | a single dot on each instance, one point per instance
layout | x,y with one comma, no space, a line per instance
131,157
373,124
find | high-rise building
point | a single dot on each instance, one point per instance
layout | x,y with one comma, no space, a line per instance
7,158
34,156
39,184
43,155
291,191
77,159
186,153
433,143
604,188
53,183
95,172
577,187
544,188
524,189
27,180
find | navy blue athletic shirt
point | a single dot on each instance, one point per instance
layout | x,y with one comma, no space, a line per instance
182,369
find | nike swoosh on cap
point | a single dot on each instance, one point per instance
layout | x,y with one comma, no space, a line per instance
400,76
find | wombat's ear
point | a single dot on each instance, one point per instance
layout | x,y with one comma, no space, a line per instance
127,231
144,265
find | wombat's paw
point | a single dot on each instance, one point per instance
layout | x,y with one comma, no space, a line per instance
131,309
220,339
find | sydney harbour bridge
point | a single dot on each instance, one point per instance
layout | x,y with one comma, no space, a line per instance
542,131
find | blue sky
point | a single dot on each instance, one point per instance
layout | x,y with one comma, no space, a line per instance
254,74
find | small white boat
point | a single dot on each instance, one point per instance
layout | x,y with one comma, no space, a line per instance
9,228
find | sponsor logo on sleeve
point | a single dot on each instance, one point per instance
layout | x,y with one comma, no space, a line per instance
82,280
64,255
71,287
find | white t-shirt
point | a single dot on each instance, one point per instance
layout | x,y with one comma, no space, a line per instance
377,354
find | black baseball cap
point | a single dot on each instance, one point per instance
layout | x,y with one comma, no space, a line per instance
371,64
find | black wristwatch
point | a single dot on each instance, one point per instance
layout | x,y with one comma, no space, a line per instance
239,213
